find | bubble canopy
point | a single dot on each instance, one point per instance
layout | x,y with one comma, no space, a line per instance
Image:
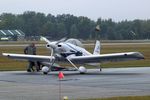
75,42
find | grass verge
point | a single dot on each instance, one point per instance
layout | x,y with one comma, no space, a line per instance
123,98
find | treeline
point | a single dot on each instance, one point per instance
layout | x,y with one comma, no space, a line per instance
37,24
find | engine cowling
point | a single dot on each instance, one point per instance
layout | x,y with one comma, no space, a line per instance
45,70
47,46
82,70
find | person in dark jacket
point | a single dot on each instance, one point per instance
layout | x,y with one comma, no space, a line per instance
31,50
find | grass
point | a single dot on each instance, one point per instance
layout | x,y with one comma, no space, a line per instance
123,98
20,42
9,64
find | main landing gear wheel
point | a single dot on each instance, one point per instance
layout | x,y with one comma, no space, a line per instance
45,70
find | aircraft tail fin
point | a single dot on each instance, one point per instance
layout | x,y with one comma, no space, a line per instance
97,48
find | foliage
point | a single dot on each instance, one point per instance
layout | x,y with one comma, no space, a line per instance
37,24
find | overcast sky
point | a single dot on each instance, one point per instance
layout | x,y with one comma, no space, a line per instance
116,9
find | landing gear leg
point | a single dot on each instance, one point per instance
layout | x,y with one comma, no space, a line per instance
72,64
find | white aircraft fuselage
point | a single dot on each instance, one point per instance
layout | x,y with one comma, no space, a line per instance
74,53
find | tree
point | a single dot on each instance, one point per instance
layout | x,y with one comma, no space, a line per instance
35,24
8,21
74,31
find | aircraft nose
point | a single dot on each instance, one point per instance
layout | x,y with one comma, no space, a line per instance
140,55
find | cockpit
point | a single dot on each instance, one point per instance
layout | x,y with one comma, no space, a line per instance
75,42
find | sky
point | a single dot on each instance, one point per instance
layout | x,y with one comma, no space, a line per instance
118,10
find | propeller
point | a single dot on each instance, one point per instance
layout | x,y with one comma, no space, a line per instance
52,46
61,40
45,39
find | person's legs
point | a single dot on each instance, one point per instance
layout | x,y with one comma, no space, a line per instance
39,65
36,66
30,66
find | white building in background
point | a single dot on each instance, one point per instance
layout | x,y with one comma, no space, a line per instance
11,35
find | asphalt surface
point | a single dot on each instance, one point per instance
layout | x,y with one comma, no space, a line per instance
20,85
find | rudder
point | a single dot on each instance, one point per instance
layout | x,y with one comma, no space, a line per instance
97,48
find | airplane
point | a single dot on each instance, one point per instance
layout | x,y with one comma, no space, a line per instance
72,51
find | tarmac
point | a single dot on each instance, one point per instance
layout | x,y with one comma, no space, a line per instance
20,85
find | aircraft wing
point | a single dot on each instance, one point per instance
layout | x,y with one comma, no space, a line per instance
29,57
103,58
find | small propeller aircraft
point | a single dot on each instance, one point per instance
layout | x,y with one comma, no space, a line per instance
71,51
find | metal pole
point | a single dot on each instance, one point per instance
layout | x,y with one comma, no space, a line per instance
59,89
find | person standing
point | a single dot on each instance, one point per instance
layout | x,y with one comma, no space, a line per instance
31,50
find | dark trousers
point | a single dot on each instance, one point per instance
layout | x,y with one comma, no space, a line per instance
31,65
